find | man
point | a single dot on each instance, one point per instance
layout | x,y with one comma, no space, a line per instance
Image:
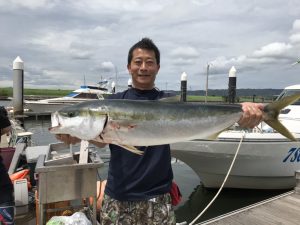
137,189
6,187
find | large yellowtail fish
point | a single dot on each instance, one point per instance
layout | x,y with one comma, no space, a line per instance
131,123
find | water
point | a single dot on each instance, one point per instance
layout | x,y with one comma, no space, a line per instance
195,196
5,103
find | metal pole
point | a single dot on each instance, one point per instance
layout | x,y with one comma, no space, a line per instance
18,86
206,86
117,82
297,176
183,87
129,83
232,85
113,87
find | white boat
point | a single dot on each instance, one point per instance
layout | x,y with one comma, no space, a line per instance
266,159
84,93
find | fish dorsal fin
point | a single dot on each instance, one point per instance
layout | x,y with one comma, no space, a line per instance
175,98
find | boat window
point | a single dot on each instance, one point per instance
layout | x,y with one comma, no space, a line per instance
87,95
72,94
289,92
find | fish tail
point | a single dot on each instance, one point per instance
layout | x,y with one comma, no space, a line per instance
272,111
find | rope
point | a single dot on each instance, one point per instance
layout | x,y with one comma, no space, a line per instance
225,179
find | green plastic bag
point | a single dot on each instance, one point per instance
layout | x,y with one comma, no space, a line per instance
77,218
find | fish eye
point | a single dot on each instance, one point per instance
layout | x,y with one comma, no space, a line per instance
72,114
69,114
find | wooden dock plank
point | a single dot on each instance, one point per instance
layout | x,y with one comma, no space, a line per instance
284,209
16,158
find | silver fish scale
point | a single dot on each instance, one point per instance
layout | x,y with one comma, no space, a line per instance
141,123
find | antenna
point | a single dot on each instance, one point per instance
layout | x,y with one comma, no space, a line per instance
296,62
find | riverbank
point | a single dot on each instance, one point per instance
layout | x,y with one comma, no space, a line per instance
6,93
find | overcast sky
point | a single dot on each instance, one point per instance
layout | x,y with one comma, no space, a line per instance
63,41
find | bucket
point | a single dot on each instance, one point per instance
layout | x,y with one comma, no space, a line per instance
7,213
7,155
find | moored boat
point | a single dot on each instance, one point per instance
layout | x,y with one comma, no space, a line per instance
84,93
266,160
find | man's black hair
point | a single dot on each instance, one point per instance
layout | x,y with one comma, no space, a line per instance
4,121
145,43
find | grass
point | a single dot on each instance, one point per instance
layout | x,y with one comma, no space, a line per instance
8,92
196,98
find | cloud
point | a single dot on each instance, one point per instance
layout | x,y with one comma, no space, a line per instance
295,39
296,25
52,79
275,53
107,66
188,52
29,4
69,39
184,55
295,36
273,50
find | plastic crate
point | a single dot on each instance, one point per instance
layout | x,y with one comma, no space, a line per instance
7,154
62,208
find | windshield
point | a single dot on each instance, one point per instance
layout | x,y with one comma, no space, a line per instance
87,95
72,94
288,92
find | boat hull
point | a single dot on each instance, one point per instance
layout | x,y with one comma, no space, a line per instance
52,105
45,107
259,165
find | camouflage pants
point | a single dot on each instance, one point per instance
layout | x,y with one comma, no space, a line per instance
158,211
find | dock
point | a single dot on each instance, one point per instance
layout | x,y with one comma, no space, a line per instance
281,209
37,114
26,113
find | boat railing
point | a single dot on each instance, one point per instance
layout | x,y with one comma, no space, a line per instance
18,135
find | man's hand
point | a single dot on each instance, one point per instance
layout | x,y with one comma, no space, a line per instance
252,114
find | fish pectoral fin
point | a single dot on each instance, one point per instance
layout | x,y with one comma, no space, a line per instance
132,149
281,129
215,135
212,137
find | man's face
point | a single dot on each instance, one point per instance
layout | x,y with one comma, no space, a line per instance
143,68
